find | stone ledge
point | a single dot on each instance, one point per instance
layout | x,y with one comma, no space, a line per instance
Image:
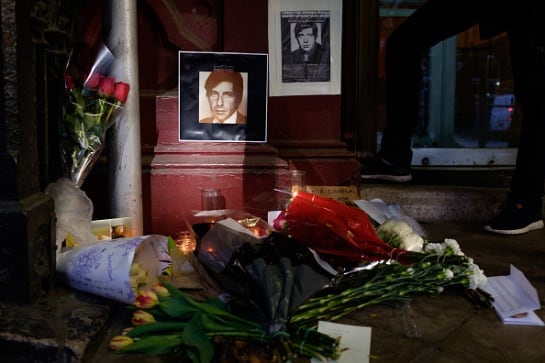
58,328
431,203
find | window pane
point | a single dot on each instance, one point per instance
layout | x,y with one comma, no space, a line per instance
466,99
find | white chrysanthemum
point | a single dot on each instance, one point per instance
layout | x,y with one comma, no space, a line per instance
396,226
412,242
449,275
437,248
477,278
453,246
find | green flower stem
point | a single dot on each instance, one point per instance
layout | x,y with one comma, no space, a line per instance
312,343
157,327
385,283
241,334
183,321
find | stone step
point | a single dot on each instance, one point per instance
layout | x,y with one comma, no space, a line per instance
439,203
446,194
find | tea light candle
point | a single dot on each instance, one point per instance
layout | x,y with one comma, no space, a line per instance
186,242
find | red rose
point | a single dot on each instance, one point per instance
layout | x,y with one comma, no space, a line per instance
69,82
93,80
107,86
121,91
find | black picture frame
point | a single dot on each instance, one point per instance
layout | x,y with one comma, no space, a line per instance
194,122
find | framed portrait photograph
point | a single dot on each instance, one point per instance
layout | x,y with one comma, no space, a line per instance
305,47
223,96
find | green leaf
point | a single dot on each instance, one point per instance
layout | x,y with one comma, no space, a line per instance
174,292
155,344
194,336
192,353
179,307
171,244
157,327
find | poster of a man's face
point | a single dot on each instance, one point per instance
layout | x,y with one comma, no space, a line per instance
306,34
223,96
305,44
224,92
305,39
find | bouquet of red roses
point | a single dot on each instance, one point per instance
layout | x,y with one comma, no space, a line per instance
91,99
87,113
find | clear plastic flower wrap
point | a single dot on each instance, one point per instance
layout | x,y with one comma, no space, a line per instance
92,97
91,100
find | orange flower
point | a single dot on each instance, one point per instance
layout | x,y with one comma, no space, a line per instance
119,342
146,299
141,317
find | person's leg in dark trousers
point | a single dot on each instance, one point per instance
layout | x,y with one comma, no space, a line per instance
434,21
528,60
523,209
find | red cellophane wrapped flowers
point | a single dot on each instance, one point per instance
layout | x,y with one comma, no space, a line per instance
335,230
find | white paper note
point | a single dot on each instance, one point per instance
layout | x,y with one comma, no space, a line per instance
357,340
515,299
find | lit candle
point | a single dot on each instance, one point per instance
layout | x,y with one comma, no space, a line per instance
297,180
186,242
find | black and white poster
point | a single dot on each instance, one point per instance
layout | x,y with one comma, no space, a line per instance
305,47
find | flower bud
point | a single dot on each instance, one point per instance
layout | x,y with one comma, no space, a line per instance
121,91
146,299
119,342
93,81
412,242
135,267
69,82
280,222
159,289
141,317
106,86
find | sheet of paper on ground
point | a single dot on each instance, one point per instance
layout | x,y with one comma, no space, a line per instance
356,338
515,299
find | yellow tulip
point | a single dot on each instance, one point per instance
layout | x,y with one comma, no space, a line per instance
119,342
159,289
146,299
141,317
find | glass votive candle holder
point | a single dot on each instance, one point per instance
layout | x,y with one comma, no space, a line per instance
297,180
212,199
186,241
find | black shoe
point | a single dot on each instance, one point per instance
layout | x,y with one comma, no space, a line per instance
379,169
517,218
